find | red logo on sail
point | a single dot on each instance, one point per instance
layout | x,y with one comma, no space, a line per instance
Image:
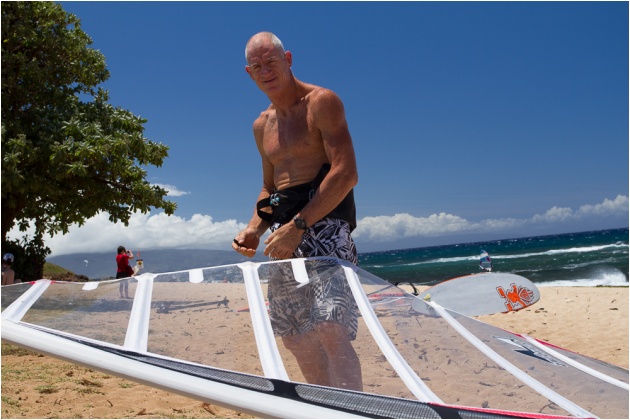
516,298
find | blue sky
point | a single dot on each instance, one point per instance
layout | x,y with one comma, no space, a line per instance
470,121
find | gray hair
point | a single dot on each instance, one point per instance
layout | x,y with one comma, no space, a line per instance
274,40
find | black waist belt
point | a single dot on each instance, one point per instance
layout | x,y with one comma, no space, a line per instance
285,204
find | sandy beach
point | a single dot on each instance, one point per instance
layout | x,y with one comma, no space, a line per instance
592,321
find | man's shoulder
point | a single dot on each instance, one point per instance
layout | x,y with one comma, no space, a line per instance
318,93
264,116
324,103
321,96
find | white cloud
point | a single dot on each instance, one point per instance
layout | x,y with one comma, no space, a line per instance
616,207
554,215
172,190
144,231
389,228
147,231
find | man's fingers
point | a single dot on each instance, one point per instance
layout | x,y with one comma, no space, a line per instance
247,252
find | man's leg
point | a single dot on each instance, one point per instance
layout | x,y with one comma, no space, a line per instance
343,363
310,356
326,356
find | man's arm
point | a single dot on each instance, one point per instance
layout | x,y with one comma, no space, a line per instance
246,242
329,117
268,187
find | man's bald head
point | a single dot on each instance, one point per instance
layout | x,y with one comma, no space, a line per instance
262,38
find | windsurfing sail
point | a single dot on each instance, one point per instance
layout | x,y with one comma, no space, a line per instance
182,332
485,263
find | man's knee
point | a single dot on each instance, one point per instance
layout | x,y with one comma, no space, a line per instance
299,342
333,336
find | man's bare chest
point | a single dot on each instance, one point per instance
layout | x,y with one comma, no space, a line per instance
294,136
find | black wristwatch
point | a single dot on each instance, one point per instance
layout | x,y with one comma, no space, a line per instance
300,223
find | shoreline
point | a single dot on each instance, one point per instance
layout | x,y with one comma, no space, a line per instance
592,321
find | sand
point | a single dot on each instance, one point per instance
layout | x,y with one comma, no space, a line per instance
592,321
587,320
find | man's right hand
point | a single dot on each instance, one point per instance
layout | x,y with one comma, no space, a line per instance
246,242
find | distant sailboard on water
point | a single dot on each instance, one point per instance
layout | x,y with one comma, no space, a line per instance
485,263
419,358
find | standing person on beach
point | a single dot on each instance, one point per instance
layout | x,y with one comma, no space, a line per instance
307,201
8,275
123,270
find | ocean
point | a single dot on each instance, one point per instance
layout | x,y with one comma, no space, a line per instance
574,259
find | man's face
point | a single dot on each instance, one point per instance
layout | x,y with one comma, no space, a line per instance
268,67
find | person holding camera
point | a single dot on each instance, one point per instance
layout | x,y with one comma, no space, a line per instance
124,270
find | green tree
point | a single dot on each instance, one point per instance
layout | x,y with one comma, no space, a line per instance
67,154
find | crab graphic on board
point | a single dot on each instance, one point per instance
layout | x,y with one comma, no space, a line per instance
516,298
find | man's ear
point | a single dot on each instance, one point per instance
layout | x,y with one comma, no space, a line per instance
248,70
289,57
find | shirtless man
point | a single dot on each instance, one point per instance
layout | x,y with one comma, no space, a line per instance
303,129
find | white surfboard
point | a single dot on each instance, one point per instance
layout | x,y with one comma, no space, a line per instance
484,293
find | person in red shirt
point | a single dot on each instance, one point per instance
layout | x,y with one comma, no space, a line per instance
124,270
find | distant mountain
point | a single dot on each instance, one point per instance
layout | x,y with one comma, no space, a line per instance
103,265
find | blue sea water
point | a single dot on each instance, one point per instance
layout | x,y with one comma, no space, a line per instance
575,259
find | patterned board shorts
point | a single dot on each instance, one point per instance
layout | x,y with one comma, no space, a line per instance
327,297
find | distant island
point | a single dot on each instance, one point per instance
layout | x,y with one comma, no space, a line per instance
99,266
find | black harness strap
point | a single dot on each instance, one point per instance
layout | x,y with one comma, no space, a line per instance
283,205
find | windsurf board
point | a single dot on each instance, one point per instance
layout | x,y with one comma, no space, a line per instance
484,293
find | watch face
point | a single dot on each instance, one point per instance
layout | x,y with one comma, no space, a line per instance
300,223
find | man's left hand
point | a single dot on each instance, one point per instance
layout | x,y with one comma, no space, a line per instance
282,243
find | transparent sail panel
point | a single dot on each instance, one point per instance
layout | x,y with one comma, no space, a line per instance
320,321
342,354
613,371
100,314
438,354
198,316
11,293
599,397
